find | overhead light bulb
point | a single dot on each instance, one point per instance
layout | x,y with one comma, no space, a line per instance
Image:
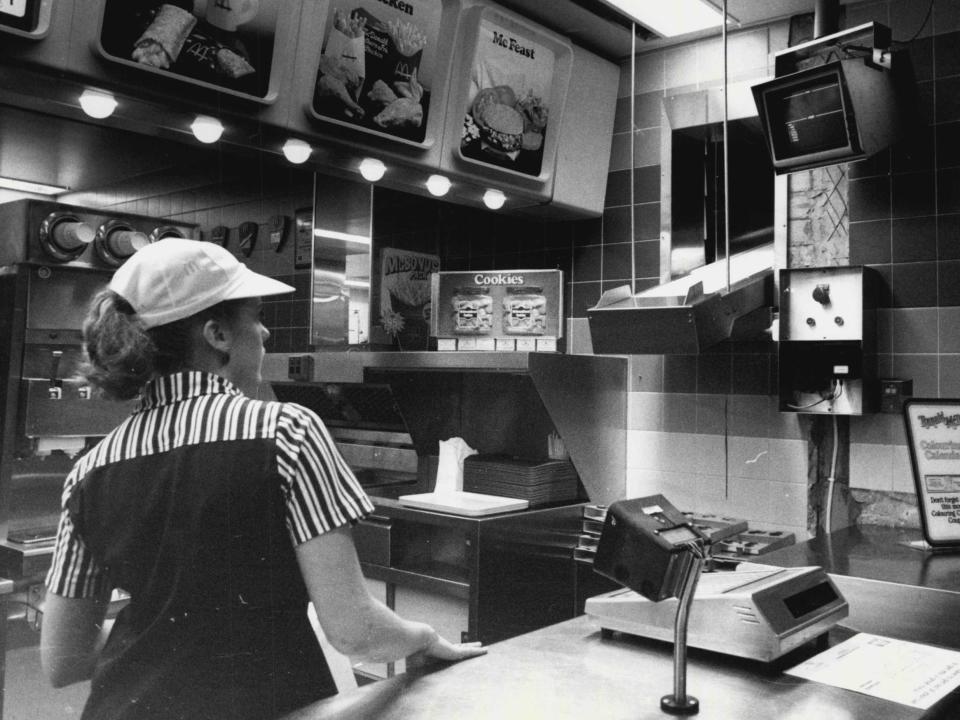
98,104
207,129
372,169
494,199
438,185
297,151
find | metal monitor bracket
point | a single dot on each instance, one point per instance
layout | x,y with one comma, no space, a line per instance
679,703
652,548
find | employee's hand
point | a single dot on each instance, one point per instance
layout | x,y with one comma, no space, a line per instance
442,649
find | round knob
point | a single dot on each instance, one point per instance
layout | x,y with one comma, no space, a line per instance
821,293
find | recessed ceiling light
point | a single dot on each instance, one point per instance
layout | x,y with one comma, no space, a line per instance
297,151
31,187
98,104
207,129
669,19
372,169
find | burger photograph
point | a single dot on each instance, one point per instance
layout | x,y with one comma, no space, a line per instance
507,118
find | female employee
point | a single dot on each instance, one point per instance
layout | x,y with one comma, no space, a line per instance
220,515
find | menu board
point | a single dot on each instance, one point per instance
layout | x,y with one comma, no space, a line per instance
511,86
933,432
378,64
226,44
20,14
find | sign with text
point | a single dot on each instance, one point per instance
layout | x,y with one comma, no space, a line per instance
498,304
511,85
933,433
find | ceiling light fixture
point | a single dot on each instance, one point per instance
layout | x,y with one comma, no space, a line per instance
372,169
438,185
670,19
297,151
98,104
31,187
207,129
494,199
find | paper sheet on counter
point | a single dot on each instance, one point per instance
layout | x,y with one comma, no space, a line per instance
904,672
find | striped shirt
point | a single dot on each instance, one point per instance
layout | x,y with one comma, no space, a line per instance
193,409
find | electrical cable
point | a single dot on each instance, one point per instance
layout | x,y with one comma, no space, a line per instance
828,521
835,394
926,19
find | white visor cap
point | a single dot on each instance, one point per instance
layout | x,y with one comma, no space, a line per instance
174,278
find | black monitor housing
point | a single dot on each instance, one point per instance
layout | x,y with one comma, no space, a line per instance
837,99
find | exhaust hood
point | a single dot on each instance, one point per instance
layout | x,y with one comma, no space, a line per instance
689,314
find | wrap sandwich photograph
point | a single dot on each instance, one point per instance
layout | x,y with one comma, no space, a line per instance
195,40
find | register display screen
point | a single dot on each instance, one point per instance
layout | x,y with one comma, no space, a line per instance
678,535
806,601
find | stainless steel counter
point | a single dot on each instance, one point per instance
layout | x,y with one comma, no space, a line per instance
892,589
568,671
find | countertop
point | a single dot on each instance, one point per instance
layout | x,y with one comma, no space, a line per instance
569,671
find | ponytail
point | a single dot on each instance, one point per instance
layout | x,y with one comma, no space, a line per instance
120,353
123,355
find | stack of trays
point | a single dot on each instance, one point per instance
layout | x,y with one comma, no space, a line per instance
540,482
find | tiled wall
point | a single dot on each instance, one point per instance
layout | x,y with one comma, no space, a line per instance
905,222
706,429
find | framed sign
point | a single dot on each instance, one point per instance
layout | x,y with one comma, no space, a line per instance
227,45
378,66
19,14
933,434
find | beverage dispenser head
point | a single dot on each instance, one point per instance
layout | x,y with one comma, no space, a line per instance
64,237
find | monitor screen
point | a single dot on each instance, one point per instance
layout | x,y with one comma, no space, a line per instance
808,116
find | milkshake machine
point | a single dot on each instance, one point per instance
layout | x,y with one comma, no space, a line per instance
53,259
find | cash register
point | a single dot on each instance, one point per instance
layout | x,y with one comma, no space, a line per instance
755,611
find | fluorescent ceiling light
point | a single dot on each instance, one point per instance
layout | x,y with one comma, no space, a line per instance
346,237
98,104
207,129
31,187
670,18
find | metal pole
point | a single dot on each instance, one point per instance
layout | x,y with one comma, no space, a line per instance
679,703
